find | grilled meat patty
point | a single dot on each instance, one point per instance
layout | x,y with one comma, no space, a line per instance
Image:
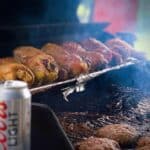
94,143
122,133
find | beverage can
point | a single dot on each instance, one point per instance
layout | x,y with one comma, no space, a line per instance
15,116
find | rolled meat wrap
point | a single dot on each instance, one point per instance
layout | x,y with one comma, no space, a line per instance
112,57
11,70
94,60
42,65
70,65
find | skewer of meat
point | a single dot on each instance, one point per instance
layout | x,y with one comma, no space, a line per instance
121,47
112,57
94,60
10,69
42,65
124,49
70,65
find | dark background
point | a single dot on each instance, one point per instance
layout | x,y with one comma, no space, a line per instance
14,13
25,12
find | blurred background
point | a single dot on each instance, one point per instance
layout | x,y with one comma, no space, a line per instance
124,16
129,19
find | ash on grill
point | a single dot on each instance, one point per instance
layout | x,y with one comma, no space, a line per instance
80,125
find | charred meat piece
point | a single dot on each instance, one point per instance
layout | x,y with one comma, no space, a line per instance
121,47
124,49
122,133
11,70
70,65
94,59
42,65
94,143
94,45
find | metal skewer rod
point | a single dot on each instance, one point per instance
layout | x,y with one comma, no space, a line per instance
80,79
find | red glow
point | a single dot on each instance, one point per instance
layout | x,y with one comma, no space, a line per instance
120,13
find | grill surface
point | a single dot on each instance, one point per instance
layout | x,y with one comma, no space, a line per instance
80,125
119,96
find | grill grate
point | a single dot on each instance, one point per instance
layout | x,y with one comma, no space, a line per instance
80,125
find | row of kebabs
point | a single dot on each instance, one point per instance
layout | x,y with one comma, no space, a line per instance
60,62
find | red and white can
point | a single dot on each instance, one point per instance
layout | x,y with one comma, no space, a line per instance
15,116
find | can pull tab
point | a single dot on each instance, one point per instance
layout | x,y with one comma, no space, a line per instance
14,84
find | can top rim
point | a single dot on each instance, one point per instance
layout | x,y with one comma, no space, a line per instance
15,84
